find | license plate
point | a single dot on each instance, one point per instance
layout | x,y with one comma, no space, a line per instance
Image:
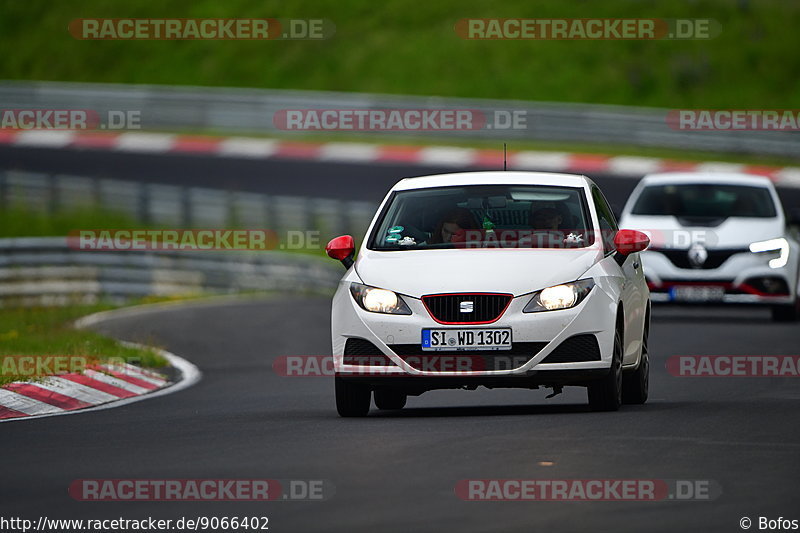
434,340
692,293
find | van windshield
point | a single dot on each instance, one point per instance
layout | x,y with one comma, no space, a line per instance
705,201
528,216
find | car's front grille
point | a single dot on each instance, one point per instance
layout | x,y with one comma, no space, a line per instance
466,308
715,259
576,349
467,361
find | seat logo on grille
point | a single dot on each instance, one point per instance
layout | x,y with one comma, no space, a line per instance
466,307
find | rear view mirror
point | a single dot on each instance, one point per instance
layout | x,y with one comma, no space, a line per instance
628,241
342,249
496,202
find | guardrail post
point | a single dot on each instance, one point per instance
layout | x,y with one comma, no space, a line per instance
345,221
97,193
52,193
309,214
232,218
144,203
186,207
269,213
3,190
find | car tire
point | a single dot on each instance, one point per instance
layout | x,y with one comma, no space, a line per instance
636,384
606,394
352,399
387,399
786,313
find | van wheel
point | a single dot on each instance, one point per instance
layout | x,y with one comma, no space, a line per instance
352,399
606,394
387,399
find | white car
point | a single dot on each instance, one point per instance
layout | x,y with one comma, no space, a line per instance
495,279
716,238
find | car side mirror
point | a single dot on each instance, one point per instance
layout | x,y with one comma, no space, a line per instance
342,249
628,241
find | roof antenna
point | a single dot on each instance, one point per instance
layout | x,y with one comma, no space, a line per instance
505,165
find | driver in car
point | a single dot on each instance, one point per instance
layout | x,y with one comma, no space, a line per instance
454,222
546,218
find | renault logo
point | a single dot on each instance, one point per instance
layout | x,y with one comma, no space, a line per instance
466,307
697,255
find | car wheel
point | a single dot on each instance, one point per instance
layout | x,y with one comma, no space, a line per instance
606,394
387,399
636,385
786,313
352,399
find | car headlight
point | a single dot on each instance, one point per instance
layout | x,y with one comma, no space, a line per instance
378,300
773,245
559,296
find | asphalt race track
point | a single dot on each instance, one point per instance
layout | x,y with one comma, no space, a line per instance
397,472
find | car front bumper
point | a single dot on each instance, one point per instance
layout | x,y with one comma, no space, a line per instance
741,276
544,332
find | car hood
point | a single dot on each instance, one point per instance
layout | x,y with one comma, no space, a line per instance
733,232
514,271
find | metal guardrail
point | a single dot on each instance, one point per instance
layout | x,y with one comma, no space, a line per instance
45,271
252,110
185,207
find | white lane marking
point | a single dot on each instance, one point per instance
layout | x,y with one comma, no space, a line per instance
24,404
634,166
145,142
45,138
247,147
719,166
136,373
349,152
447,155
75,390
539,161
116,382
788,177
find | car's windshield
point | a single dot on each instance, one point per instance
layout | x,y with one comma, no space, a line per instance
526,216
705,201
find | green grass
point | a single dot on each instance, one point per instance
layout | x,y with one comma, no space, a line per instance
411,48
20,221
43,331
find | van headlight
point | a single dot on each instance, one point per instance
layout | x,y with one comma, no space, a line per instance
378,300
773,245
561,296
